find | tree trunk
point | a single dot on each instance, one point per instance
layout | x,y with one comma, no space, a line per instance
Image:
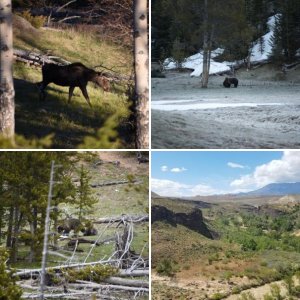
7,93
15,241
10,227
31,257
205,68
141,63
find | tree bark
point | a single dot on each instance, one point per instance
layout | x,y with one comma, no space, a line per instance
15,241
10,227
7,93
141,63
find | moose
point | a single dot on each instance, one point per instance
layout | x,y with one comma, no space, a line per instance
229,81
72,75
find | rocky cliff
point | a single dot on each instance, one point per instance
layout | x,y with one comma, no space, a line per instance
193,220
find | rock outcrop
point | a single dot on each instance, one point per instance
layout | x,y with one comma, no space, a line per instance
193,220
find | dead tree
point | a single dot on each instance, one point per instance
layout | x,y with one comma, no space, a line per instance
46,234
7,93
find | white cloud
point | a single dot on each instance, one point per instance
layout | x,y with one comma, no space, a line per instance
165,187
286,169
178,170
164,168
235,166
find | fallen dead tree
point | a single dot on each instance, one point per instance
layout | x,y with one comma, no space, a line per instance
31,273
36,59
115,182
127,282
73,295
128,271
125,218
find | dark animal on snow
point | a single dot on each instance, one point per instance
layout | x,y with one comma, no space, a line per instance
73,75
229,81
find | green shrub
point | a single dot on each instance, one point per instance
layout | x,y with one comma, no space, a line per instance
35,21
275,292
167,267
289,284
246,296
268,297
91,273
264,264
8,287
249,245
217,296
236,290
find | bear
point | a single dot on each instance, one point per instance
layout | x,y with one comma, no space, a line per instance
229,81
68,225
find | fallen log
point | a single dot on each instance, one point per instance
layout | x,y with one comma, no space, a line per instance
126,282
93,285
73,242
115,182
25,273
134,219
74,295
37,59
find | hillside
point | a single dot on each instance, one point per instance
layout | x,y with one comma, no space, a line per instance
69,124
255,247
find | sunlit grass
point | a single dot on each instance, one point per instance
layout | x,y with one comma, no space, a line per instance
70,123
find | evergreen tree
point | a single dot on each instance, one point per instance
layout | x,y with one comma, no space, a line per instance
25,178
286,37
84,200
8,288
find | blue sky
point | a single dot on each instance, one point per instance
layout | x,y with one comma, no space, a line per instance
190,173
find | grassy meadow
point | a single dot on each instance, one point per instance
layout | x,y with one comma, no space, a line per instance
71,123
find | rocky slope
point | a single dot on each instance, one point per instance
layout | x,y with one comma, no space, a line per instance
192,220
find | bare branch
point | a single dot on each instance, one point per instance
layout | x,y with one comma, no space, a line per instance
65,5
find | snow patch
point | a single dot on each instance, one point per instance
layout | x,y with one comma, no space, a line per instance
261,50
195,62
197,105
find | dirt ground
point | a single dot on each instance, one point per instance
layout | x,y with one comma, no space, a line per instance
263,112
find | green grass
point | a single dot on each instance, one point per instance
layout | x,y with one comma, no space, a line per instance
70,123
113,201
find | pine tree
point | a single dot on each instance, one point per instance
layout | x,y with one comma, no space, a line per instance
8,288
25,176
84,200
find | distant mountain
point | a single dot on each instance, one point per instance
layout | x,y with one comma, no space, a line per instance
276,189
154,195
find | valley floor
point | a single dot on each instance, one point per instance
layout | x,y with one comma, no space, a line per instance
260,113
206,289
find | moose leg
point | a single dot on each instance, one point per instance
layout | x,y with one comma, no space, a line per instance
71,90
42,86
85,94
